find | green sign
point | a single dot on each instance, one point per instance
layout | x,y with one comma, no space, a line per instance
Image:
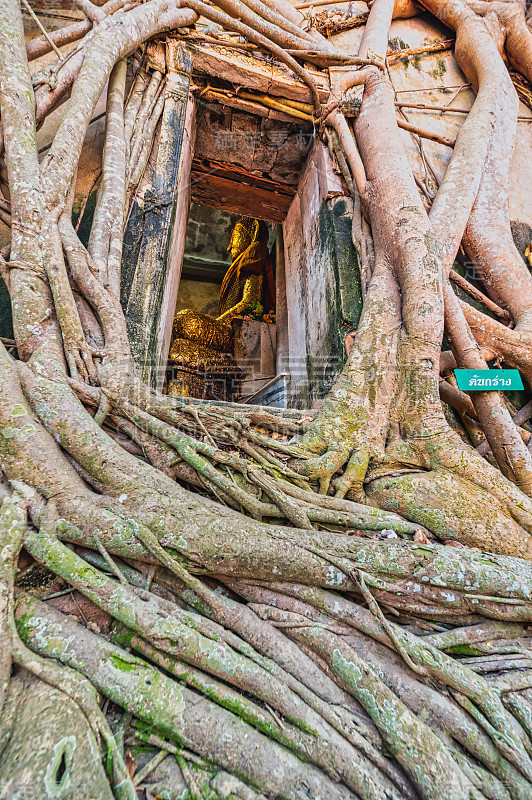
488,380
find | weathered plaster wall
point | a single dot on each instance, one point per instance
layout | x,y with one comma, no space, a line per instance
323,299
6,325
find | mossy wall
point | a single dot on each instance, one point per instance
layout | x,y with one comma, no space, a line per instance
6,319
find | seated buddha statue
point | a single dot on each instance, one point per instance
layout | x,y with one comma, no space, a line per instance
202,345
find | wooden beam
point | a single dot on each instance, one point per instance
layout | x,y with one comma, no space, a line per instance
254,73
248,106
239,191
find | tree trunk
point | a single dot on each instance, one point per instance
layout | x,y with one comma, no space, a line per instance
238,627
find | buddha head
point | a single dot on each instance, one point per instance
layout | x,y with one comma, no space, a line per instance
241,236
247,231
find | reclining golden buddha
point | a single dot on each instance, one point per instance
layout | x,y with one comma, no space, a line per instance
202,346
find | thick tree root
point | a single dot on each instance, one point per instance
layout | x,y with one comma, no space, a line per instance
248,589
208,657
172,709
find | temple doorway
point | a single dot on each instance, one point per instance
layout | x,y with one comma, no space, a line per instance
223,343
216,164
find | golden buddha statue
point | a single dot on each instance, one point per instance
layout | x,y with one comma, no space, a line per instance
202,345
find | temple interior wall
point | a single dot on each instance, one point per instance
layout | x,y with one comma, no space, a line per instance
201,295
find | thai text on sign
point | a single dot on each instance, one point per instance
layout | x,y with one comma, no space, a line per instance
488,380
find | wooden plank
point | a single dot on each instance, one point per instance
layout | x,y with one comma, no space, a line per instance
147,258
235,190
244,69
234,172
229,195
247,106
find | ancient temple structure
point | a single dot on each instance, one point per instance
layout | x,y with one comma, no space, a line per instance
228,132
226,156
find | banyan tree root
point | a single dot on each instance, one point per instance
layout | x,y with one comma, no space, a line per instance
125,405
243,627
344,726
51,747
51,765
